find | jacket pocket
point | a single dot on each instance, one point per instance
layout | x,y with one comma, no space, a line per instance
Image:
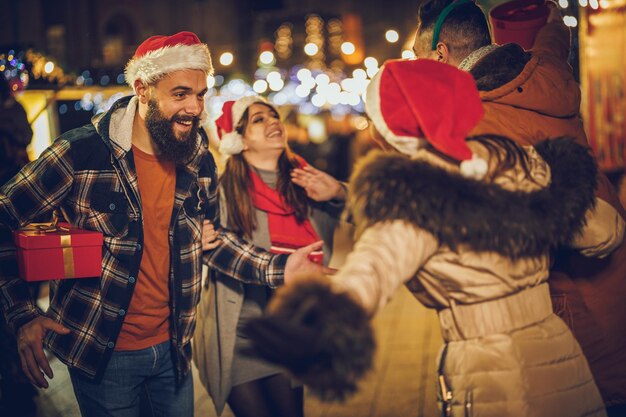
109,214
190,222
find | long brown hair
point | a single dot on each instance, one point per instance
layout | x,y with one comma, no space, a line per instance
508,154
236,185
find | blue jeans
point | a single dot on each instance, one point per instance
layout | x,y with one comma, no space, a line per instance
136,383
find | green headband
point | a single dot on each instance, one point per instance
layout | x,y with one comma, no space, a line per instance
442,17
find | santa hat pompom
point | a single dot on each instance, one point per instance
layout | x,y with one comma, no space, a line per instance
475,168
231,144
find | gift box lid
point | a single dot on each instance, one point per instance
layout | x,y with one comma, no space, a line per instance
518,21
533,12
31,239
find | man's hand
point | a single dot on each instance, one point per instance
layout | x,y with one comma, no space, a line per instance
209,236
319,186
299,264
30,347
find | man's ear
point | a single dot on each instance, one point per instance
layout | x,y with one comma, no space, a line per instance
142,91
443,53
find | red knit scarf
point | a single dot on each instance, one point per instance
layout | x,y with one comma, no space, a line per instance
286,234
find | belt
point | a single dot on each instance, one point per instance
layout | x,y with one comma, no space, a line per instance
501,315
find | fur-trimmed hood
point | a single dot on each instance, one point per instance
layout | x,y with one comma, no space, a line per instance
500,67
533,81
481,216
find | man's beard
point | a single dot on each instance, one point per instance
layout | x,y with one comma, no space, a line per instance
175,149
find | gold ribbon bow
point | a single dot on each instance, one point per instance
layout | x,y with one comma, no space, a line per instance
37,229
45,227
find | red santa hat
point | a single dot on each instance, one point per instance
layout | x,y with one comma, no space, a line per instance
160,55
415,102
231,142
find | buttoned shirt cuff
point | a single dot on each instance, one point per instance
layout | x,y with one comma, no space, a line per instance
274,272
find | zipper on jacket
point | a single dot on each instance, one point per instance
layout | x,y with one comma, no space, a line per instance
469,403
444,391
446,397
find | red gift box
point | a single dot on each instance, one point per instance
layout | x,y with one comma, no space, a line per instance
316,256
518,21
59,251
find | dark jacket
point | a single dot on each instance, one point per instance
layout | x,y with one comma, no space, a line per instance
15,135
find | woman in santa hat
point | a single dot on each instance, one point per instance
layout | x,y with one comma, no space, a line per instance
467,226
274,199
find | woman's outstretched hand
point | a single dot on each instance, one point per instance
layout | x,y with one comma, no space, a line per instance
318,185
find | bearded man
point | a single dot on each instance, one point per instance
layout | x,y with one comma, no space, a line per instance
142,176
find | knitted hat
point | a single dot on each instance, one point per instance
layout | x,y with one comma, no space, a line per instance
231,142
415,102
160,55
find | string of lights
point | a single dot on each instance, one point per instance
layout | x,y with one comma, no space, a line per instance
312,86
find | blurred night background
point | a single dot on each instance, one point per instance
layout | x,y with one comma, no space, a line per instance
313,59
64,60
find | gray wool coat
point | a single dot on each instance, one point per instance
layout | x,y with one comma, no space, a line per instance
222,300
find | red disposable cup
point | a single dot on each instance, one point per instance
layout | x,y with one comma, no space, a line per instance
518,21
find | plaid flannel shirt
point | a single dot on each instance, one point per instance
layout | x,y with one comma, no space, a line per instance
90,177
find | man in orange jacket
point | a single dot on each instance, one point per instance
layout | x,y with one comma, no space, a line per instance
530,96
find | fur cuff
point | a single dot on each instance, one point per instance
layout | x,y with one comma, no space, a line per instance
323,338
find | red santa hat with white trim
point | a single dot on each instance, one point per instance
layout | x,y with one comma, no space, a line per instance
230,141
417,102
160,55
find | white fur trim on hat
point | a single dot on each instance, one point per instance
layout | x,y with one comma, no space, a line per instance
408,145
475,168
231,144
242,104
154,64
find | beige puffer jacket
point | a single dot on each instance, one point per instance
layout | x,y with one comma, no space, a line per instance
529,97
506,354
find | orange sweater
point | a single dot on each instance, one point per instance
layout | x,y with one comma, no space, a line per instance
147,320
